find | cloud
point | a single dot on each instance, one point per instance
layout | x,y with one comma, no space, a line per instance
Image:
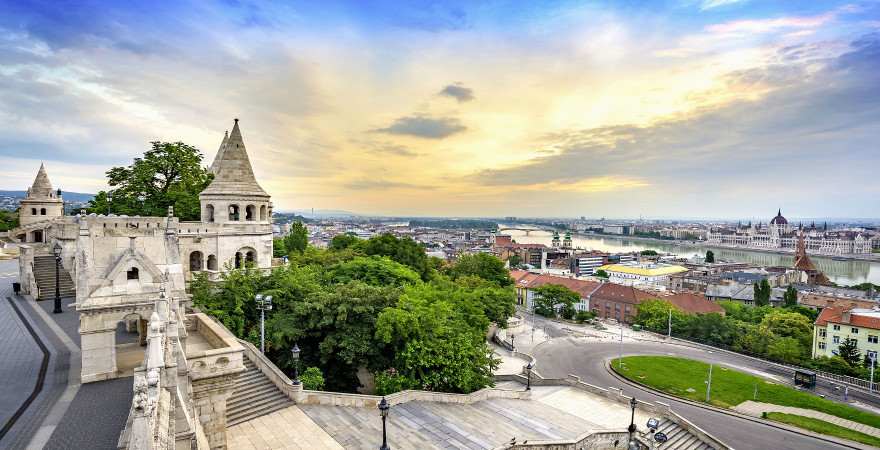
709,4
425,127
827,118
367,184
458,92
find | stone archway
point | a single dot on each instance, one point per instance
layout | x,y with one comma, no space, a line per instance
111,341
37,236
196,261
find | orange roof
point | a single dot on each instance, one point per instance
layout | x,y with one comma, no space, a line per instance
530,280
620,293
693,304
834,314
823,301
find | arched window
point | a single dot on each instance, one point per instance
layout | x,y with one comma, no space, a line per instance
263,213
212,262
132,274
42,211
209,213
238,260
250,212
33,211
233,213
195,261
251,258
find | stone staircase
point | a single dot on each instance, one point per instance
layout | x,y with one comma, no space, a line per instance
44,274
679,438
254,396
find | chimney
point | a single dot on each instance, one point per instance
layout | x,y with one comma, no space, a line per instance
845,316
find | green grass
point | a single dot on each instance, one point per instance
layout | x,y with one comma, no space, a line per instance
820,426
729,387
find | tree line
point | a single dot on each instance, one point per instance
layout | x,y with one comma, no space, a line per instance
783,334
379,306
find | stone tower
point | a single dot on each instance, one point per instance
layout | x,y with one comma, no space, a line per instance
240,209
42,202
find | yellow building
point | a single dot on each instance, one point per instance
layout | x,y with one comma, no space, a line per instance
835,324
636,273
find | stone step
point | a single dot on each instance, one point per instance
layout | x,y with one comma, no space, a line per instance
245,389
248,377
251,397
256,405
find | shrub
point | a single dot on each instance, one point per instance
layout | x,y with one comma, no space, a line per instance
312,379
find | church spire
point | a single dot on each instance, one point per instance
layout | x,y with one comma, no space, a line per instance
42,187
215,166
234,174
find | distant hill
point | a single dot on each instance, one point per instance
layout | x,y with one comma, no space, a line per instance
68,196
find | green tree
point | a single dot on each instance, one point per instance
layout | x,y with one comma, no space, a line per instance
8,220
405,251
584,316
482,265
298,238
601,273
343,241
654,315
279,249
312,379
785,349
550,297
649,253
790,298
514,260
785,323
169,174
710,256
849,352
373,270
762,293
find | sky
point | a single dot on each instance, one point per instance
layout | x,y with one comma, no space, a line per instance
688,108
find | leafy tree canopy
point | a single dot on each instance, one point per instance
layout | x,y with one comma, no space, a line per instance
8,220
343,241
298,238
549,297
482,265
169,174
710,256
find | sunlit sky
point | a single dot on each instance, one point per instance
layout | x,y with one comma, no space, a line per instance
697,108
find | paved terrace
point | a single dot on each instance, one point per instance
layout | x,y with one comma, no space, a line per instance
553,412
62,413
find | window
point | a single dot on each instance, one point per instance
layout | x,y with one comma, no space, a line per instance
132,274
42,211
871,355
33,211
855,331
209,213
872,338
822,332
233,213
836,339
250,212
821,346
836,327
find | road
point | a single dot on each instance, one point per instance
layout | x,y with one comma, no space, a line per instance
586,358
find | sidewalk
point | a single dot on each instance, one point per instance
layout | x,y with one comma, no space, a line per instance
756,408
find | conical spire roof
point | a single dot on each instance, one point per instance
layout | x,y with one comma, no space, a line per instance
233,174
42,187
215,166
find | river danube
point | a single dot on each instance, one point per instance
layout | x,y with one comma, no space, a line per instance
840,272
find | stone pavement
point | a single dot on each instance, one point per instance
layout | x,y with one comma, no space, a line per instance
428,425
756,408
288,429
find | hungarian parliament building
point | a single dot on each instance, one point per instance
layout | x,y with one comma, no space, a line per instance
779,234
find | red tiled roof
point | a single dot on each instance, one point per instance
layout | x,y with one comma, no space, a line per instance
620,293
530,280
693,303
823,301
834,314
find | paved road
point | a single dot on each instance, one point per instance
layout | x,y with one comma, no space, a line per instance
562,356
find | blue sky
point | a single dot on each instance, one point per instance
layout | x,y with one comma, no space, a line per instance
711,108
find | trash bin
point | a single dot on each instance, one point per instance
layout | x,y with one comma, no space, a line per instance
637,327
16,287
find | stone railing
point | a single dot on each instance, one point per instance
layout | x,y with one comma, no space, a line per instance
308,397
591,440
225,356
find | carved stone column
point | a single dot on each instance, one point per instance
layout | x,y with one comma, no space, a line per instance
209,401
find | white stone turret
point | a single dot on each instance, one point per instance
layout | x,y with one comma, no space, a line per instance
42,201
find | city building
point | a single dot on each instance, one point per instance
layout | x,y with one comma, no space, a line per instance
779,234
636,273
618,302
840,322
525,282
584,264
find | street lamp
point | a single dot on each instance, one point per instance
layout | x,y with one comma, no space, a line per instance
263,304
56,250
294,352
632,420
384,406
512,345
529,378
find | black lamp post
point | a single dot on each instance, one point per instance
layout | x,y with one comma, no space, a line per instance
56,250
384,406
529,376
295,353
632,423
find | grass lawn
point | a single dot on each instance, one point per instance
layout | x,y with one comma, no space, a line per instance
686,378
820,426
